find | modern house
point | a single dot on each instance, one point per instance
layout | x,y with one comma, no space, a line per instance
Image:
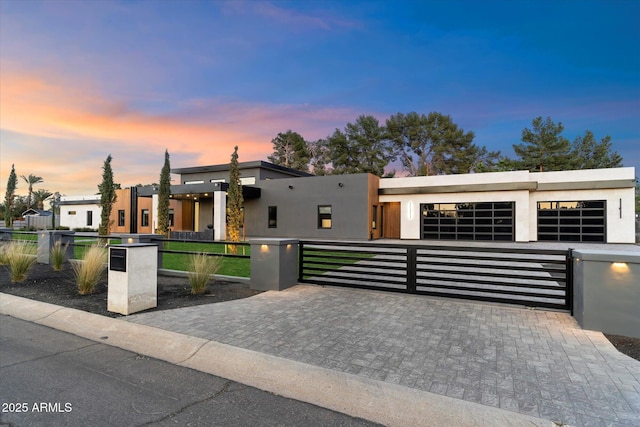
577,206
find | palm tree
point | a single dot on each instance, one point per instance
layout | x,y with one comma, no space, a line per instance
39,196
31,179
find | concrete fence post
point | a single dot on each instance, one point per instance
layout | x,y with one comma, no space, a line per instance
146,239
6,234
274,264
47,239
606,291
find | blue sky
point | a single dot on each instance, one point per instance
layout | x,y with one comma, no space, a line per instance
82,79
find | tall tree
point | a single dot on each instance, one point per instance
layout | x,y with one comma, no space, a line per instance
320,158
586,153
362,147
108,197
544,148
433,144
291,150
31,180
164,194
9,197
39,197
234,202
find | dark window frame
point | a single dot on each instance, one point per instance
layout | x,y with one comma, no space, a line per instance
144,218
121,217
324,216
89,218
272,217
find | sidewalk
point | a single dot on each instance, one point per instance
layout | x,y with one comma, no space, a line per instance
391,358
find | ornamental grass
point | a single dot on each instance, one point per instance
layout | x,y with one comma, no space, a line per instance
19,257
58,255
88,271
201,268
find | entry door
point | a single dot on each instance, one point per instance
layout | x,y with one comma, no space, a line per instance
391,222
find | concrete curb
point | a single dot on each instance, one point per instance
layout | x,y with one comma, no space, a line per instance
377,401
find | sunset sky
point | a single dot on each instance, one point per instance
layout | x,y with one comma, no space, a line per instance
83,79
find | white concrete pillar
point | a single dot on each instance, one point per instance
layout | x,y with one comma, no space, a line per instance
219,215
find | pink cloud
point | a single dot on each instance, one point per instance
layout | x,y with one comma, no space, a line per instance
63,131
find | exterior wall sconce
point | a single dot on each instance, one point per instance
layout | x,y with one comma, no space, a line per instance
340,184
620,266
291,187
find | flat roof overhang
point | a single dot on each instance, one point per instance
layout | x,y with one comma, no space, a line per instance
511,186
202,190
462,188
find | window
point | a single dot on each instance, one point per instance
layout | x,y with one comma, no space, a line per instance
72,212
171,216
121,218
374,217
248,180
89,218
273,217
324,216
145,218
199,181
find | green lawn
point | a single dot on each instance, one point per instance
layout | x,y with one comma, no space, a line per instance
231,266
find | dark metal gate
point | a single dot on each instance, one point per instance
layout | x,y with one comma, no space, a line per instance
530,277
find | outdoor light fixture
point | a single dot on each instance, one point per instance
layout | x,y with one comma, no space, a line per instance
264,248
410,210
620,266
130,240
340,185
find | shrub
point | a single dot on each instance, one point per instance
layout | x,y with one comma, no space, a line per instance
19,256
58,255
89,270
201,267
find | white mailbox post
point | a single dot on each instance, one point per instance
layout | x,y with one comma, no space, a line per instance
133,278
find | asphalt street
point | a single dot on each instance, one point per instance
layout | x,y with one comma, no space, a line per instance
49,377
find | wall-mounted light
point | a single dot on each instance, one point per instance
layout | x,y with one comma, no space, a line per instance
340,184
264,248
410,210
130,240
620,266
291,187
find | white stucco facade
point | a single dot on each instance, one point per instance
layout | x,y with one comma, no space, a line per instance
74,211
615,186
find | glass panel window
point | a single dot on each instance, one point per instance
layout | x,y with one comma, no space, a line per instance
145,218
273,217
121,217
171,217
374,217
324,216
89,218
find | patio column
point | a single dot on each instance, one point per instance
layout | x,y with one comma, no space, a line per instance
219,215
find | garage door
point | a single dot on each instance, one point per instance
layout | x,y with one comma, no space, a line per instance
468,221
574,221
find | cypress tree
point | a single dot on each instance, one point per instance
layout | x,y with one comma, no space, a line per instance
234,202
164,193
9,197
107,198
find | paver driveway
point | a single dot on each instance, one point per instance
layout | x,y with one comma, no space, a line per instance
535,362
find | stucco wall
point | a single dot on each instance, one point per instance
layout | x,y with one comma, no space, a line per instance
410,217
79,220
298,207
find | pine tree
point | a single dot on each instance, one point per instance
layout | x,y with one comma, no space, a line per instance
164,193
361,148
586,153
543,148
433,144
9,197
107,197
291,150
234,202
